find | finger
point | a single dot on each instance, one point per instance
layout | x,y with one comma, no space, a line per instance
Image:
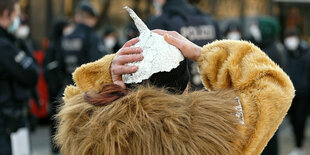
160,32
124,69
124,59
130,50
131,42
120,83
173,41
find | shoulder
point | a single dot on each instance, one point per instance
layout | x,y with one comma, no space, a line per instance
5,44
157,22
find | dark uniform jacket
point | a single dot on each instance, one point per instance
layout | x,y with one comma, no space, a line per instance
198,27
275,50
18,73
298,68
79,47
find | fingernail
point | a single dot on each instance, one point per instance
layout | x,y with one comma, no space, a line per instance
167,36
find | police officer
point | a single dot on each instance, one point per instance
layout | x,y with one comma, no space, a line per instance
18,72
82,45
298,68
180,16
232,31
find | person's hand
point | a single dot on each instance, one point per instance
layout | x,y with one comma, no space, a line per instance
188,49
126,54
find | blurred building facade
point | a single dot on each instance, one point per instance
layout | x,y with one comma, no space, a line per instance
290,12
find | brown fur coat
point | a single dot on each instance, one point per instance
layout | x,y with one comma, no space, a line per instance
152,121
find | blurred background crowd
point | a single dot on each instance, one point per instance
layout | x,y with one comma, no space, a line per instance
43,41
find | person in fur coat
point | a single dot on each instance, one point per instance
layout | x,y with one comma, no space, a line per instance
99,116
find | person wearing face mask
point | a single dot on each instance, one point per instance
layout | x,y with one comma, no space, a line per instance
18,72
24,42
83,44
110,40
264,33
298,68
233,31
22,34
190,22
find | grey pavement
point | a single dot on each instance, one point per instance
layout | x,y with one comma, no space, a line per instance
41,146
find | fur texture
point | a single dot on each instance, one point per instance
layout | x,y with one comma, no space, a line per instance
150,121
266,92
90,76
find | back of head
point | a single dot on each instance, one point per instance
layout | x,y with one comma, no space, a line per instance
174,81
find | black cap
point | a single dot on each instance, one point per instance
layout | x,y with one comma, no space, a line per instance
108,30
232,26
291,32
87,7
174,81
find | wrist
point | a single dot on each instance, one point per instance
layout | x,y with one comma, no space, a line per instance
197,53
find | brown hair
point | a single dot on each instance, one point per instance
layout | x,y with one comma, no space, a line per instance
108,94
7,5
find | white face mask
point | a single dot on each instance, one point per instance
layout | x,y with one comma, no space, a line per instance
109,42
157,7
22,32
12,28
291,43
234,35
255,32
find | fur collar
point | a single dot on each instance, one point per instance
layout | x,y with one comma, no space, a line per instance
151,121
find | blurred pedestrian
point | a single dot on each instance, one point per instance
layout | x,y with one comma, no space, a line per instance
22,34
24,42
110,40
18,72
232,31
190,22
83,44
52,71
298,68
265,34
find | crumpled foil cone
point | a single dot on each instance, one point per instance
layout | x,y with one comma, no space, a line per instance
159,56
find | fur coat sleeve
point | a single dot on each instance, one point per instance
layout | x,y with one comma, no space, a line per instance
265,91
90,76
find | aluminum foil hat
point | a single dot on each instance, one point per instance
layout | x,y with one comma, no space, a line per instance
159,56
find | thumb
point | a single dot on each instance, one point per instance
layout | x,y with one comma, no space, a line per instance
172,40
120,83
